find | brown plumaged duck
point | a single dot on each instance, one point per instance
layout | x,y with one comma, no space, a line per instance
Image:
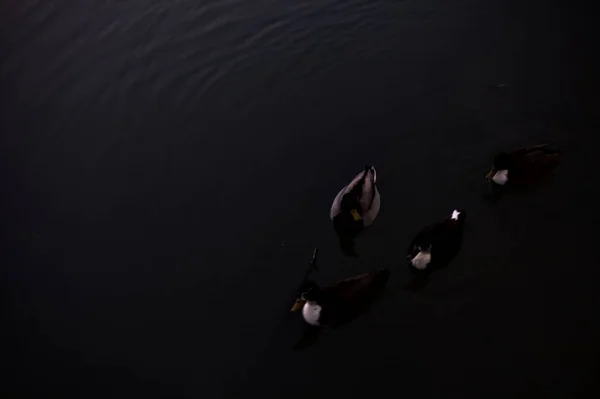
340,302
523,167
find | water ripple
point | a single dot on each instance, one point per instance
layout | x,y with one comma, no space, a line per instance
177,52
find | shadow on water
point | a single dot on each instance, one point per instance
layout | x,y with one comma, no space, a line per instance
309,337
417,282
493,193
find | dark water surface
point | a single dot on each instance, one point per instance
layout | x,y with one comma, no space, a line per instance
155,155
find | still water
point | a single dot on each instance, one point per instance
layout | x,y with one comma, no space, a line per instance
169,167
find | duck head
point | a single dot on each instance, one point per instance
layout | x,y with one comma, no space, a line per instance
499,173
309,291
421,259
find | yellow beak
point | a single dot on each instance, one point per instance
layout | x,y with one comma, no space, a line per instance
298,305
355,215
490,174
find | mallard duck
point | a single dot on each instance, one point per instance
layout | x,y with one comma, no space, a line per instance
523,167
355,208
340,302
437,244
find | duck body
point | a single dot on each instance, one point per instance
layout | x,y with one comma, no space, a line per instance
341,302
436,245
523,167
355,208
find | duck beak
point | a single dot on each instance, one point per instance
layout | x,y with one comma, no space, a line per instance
297,305
355,215
490,174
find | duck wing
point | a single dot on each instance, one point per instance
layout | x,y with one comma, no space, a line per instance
449,243
362,187
525,150
368,190
533,153
348,298
426,235
354,288
527,162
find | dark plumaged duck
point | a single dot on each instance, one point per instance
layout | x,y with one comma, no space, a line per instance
340,302
522,167
355,208
437,244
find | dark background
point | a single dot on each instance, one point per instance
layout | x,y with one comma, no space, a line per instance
168,166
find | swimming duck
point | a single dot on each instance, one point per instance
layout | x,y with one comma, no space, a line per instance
355,208
340,302
522,167
437,244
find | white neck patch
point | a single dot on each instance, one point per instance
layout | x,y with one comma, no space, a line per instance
455,214
500,177
311,313
421,260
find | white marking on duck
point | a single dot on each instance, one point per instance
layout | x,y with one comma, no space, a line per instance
455,214
422,259
311,313
500,177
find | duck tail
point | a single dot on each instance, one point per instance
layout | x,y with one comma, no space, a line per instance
359,186
368,187
458,216
364,176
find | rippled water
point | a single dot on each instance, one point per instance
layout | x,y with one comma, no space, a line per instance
188,48
168,167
